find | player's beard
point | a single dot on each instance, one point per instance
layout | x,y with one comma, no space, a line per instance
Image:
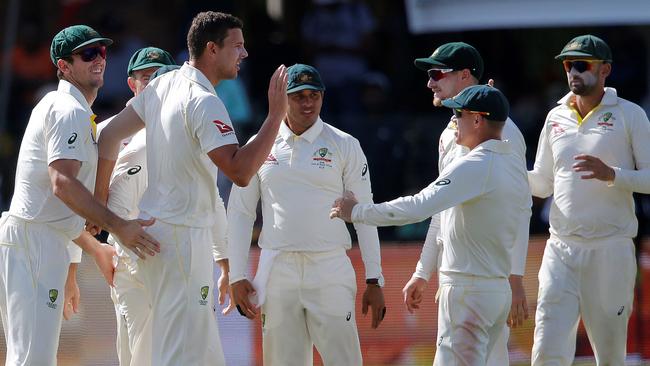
587,83
437,102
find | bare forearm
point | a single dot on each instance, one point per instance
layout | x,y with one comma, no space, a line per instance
223,264
87,243
72,270
80,200
103,178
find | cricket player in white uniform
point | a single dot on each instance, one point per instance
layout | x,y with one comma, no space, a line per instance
126,188
189,135
56,171
305,282
451,68
486,193
593,153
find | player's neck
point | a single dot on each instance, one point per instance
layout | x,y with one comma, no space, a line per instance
89,92
586,103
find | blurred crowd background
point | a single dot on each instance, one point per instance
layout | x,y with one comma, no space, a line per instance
364,51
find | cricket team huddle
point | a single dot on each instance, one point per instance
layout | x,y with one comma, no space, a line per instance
148,176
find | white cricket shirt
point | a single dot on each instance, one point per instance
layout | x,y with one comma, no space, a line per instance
301,178
60,127
486,193
185,119
617,132
128,183
448,150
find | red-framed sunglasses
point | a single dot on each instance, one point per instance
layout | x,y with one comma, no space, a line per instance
459,112
580,65
437,74
91,53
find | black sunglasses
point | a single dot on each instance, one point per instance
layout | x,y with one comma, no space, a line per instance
90,54
437,74
580,65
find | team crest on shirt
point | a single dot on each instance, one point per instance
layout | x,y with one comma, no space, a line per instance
204,295
271,160
606,121
223,128
322,158
53,294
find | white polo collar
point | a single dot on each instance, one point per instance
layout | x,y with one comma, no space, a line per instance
310,135
68,88
610,98
197,76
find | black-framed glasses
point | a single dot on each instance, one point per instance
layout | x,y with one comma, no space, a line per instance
580,65
437,74
91,53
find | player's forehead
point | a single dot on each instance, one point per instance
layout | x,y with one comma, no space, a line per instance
234,36
142,73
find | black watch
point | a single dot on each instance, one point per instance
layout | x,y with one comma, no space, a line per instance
375,281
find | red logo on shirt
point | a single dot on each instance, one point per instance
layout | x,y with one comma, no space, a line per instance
223,128
557,129
271,160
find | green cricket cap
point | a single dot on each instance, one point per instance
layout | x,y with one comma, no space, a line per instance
73,38
586,46
301,77
149,57
454,55
481,98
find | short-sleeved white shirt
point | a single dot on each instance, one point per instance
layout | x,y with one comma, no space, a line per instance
129,178
59,128
185,119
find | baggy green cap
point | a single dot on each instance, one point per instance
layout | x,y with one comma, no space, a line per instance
72,38
481,98
586,46
149,57
301,77
454,55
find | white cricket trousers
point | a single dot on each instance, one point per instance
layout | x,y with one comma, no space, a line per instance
132,312
472,312
499,355
178,284
310,301
593,280
35,264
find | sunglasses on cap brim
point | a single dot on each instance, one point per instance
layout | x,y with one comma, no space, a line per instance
91,53
580,65
437,74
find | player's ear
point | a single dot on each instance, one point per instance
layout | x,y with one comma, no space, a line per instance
63,65
131,82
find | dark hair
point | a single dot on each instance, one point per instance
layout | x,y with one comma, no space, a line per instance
59,73
209,26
